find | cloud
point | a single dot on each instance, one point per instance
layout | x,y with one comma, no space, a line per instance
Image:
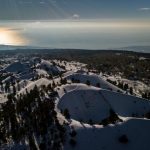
144,9
76,16
15,29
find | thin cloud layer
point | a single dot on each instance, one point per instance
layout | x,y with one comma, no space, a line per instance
144,9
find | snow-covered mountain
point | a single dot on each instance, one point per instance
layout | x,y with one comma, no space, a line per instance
84,103
94,80
50,68
17,67
91,112
134,131
89,104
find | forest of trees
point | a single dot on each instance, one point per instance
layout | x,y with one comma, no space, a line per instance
29,118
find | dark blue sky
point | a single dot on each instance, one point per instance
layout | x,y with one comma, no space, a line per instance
65,9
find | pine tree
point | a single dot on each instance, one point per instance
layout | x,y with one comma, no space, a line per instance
88,82
66,114
131,90
53,84
125,87
14,90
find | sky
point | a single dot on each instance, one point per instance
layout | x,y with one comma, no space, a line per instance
86,24
68,9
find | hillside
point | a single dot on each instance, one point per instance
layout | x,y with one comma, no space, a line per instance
37,83
94,80
99,138
60,104
88,103
16,67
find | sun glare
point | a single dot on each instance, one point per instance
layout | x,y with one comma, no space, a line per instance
10,37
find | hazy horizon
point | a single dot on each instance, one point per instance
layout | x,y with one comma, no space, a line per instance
75,34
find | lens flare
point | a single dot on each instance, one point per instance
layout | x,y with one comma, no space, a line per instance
11,37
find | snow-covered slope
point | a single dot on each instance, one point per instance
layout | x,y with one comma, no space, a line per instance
9,79
139,87
94,80
3,98
29,74
72,87
99,138
16,67
88,103
126,105
85,105
41,72
38,83
49,67
70,65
